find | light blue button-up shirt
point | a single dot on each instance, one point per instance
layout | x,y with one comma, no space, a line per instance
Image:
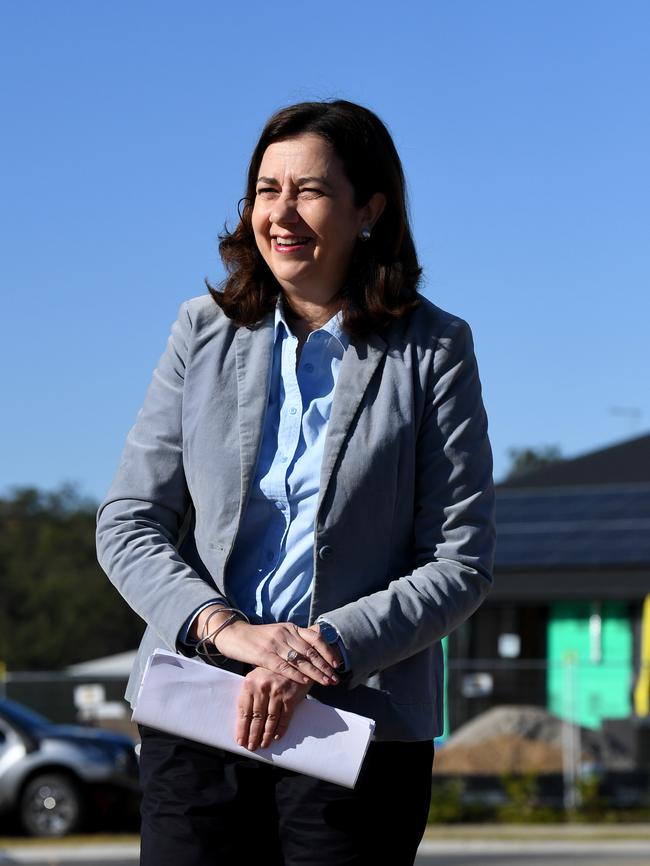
271,568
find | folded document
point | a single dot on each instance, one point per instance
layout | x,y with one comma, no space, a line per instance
192,699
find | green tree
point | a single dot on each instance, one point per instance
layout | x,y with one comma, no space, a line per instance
57,606
525,460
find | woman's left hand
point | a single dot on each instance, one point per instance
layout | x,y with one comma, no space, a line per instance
266,703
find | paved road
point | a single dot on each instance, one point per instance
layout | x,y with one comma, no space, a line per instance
490,853
528,860
435,853
422,860
111,854
58,861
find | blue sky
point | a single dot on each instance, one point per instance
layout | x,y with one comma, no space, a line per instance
524,129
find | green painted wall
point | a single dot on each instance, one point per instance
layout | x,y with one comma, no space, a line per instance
590,673
445,732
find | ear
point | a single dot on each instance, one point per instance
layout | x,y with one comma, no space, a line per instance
373,209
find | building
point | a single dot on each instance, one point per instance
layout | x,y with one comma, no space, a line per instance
567,624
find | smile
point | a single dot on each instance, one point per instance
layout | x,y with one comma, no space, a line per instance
289,244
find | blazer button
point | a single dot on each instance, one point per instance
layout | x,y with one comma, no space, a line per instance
325,552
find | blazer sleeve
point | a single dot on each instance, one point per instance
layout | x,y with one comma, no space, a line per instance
140,521
453,528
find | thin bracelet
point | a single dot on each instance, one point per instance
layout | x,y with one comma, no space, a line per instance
221,609
208,654
205,647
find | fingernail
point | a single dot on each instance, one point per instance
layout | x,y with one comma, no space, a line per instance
276,737
240,742
334,679
251,746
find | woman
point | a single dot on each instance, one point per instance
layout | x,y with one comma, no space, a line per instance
306,498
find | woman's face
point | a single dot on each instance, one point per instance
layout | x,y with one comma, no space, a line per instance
304,218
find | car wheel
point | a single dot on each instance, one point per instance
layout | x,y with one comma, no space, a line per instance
50,805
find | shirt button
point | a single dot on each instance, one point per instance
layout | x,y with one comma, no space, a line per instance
325,552
278,505
309,368
293,410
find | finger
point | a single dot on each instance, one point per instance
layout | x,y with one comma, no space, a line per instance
273,718
244,717
258,722
300,671
278,663
316,644
285,718
309,661
308,647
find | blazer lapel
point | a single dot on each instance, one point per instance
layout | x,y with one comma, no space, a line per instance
254,351
360,361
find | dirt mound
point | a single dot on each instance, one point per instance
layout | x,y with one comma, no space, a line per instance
505,753
521,739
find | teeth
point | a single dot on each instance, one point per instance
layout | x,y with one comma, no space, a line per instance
290,241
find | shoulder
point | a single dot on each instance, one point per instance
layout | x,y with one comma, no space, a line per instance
200,311
429,319
200,317
428,328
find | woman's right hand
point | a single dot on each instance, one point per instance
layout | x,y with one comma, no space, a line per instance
267,646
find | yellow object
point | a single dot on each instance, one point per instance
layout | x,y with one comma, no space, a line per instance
642,688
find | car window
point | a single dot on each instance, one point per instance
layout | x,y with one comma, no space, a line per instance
23,716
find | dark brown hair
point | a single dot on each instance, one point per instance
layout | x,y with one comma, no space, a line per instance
384,272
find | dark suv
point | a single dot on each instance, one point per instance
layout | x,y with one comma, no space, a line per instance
50,775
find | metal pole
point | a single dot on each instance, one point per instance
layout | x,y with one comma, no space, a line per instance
570,734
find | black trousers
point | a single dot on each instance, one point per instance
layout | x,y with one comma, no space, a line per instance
207,807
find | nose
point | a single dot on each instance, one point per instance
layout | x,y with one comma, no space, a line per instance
284,209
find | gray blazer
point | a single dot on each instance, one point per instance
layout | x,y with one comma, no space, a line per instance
404,532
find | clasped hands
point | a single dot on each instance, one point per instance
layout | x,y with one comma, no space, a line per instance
280,679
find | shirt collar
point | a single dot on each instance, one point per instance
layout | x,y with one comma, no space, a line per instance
334,327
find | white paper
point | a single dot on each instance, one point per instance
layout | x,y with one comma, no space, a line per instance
198,701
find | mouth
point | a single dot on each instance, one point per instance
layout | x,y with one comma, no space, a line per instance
289,243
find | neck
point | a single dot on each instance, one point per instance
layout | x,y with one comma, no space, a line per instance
303,317
309,315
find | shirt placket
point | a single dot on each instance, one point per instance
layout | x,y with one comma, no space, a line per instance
276,481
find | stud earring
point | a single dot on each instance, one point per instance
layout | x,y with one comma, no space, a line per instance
364,234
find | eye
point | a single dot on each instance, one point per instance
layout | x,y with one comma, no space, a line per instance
264,190
311,190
